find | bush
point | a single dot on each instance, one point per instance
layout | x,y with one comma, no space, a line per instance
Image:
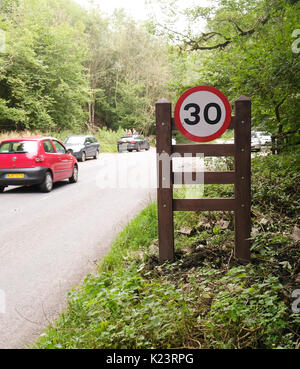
245,314
108,139
276,183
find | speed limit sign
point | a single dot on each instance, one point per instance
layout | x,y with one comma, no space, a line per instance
202,113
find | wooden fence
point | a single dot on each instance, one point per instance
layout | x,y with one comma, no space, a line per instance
240,177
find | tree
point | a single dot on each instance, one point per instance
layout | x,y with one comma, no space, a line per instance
246,49
125,80
43,81
66,67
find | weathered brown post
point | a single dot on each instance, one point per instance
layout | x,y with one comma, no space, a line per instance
242,138
165,183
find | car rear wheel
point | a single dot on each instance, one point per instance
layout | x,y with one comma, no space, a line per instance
130,150
74,178
83,157
47,185
2,189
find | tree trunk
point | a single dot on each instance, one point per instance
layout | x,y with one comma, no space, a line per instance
278,141
91,124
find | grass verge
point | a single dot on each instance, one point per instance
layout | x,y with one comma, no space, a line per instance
204,299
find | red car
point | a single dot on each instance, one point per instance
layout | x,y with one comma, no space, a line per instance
35,161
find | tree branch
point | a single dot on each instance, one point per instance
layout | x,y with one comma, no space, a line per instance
195,44
217,46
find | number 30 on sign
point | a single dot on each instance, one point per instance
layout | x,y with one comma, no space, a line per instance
202,113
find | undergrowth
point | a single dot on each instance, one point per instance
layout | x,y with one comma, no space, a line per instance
205,299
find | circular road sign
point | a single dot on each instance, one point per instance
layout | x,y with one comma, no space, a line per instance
202,113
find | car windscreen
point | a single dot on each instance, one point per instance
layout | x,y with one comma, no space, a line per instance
75,140
18,147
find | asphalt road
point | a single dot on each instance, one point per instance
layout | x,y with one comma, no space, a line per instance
50,242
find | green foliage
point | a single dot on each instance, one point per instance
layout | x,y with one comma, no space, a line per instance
131,107
120,310
66,68
42,79
276,183
246,314
108,139
246,48
125,82
203,299
138,234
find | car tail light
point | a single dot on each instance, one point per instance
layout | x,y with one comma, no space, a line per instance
133,142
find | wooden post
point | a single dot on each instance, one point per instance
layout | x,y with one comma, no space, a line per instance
242,178
164,194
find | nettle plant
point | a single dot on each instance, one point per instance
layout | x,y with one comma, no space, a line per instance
246,315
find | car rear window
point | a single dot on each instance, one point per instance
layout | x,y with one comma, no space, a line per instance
89,140
18,147
128,138
75,140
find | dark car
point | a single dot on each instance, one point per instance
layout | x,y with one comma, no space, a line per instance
35,161
83,147
133,142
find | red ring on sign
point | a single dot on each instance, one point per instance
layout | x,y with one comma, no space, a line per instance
202,138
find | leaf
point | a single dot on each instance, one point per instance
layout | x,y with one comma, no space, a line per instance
185,230
216,230
223,224
264,221
296,234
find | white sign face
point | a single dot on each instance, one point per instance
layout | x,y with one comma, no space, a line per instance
202,113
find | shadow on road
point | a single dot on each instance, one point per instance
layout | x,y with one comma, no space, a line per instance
32,189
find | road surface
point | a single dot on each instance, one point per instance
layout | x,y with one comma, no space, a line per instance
50,242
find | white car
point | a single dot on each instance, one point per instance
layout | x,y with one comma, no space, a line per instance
264,137
259,140
255,142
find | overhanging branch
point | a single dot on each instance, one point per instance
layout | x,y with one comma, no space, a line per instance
196,44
